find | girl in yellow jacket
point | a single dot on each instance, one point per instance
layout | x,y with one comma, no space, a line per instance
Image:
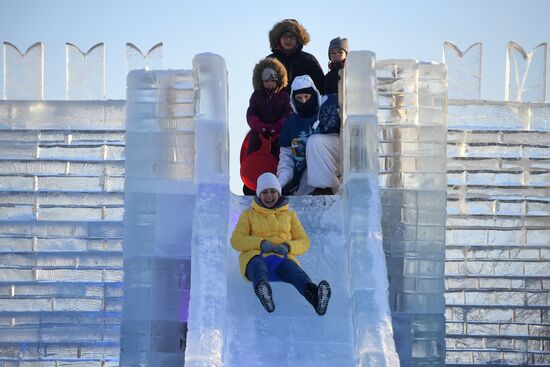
269,237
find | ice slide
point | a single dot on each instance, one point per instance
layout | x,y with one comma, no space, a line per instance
180,205
228,326
355,330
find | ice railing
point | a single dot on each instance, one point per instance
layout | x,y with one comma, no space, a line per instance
498,224
368,285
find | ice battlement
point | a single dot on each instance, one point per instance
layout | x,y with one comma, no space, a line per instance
525,73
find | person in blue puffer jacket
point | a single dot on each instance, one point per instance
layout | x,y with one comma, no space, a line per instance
309,157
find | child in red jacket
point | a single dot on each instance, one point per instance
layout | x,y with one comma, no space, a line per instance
268,107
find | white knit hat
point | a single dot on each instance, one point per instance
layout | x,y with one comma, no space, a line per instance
268,181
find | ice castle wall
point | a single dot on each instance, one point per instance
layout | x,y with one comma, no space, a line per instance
498,233
61,205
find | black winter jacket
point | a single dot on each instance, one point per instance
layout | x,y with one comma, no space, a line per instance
301,63
332,78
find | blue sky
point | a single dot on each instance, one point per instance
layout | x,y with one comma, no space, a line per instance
238,30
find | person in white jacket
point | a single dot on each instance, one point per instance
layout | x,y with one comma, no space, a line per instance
309,159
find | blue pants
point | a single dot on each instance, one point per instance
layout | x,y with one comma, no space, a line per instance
288,271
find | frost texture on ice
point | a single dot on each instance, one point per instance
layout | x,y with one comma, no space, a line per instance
463,70
526,73
23,72
85,72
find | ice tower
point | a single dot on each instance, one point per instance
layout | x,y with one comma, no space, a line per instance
412,141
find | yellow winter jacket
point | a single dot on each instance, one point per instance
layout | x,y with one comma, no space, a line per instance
277,225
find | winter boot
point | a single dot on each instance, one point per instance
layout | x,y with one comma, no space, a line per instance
263,292
318,296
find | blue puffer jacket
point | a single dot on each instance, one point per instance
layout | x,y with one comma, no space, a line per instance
296,131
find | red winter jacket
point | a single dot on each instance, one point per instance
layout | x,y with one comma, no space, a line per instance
267,111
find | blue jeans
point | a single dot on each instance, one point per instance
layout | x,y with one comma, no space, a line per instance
288,271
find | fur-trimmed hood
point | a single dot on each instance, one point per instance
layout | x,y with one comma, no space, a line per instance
273,63
288,25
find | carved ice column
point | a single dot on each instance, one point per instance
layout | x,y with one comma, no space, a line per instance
463,70
24,72
135,59
525,73
85,72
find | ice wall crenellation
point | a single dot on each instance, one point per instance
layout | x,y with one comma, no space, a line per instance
70,170
84,71
526,72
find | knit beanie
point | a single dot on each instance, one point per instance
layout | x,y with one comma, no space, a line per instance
267,181
338,43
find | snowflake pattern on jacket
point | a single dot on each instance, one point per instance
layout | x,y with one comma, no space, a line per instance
329,116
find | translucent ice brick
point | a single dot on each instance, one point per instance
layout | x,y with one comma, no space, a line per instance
358,84
464,70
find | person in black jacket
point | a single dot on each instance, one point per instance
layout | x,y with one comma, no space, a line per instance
287,38
337,52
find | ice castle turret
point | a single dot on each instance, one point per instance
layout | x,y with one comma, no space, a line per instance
159,201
